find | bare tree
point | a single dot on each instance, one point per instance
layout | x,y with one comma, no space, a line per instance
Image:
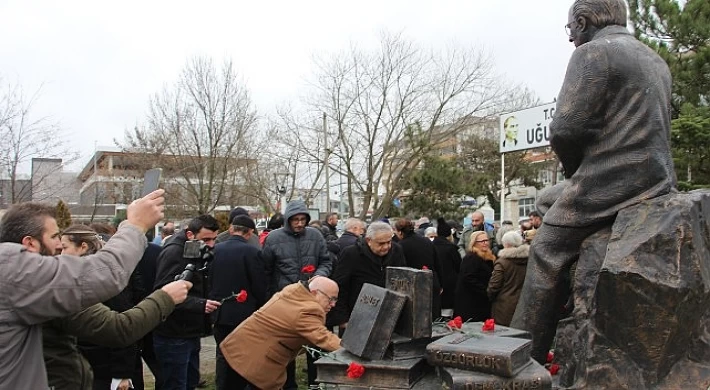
198,131
25,136
272,168
300,148
390,107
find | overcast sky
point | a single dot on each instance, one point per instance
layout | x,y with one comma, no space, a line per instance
98,62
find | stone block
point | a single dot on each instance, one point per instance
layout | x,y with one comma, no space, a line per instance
642,299
372,321
415,321
402,348
386,374
504,356
532,377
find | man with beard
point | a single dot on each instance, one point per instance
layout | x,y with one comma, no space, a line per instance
37,288
177,340
330,227
478,223
287,251
535,219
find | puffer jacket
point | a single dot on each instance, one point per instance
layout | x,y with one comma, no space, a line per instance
507,282
287,252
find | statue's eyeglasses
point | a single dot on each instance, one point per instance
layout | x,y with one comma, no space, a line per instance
568,28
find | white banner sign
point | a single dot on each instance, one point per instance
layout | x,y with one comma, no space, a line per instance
526,129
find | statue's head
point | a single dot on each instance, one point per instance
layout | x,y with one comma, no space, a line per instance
587,17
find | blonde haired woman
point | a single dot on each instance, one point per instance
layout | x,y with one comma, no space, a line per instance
471,299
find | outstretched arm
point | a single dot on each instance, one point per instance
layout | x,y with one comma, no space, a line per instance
311,326
44,287
102,326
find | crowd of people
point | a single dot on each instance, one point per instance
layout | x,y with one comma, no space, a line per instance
298,262
89,304
83,307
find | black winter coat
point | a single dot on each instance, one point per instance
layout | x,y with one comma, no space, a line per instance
189,319
224,236
471,299
357,266
237,266
147,268
420,252
450,261
119,363
330,233
346,240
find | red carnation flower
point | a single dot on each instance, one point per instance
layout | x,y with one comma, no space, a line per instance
456,323
355,370
489,325
550,357
242,296
425,267
554,368
309,269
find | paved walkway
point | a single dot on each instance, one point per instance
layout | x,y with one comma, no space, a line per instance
207,355
207,360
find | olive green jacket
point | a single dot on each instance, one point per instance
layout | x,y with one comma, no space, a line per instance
66,367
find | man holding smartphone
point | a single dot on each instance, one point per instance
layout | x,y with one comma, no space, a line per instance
37,287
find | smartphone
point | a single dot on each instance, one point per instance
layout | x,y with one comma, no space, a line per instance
151,180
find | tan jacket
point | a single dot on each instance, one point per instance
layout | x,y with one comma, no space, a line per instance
262,346
36,288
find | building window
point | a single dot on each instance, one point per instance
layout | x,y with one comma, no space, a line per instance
526,205
560,176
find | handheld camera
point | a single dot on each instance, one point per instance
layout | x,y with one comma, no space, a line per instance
199,256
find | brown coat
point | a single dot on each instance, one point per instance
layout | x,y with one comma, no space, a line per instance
261,347
507,282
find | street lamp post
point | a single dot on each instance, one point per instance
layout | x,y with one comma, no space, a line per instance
281,189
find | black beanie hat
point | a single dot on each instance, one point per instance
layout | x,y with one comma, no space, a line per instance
442,228
243,220
237,211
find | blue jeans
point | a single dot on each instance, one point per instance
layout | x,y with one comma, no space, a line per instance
179,361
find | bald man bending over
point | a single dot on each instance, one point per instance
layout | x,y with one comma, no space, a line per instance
265,343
